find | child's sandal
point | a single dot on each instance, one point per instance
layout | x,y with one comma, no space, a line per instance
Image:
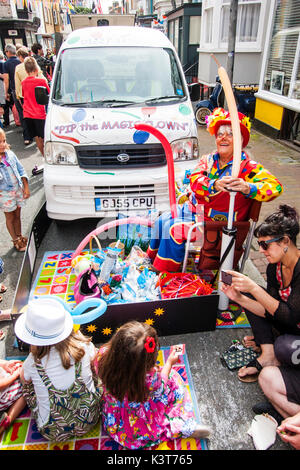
3,418
19,246
6,423
24,240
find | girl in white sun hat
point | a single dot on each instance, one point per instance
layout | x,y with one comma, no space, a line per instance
59,385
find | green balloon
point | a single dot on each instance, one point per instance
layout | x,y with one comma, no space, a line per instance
183,109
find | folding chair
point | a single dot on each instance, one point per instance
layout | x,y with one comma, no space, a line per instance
211,248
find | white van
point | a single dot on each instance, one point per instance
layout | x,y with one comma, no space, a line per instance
97,164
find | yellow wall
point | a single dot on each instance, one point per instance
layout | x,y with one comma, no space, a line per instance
269,113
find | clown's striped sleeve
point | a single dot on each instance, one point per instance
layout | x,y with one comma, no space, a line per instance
201,179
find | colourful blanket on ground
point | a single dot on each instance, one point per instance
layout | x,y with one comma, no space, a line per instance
23,433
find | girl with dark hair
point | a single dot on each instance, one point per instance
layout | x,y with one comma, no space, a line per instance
273,312
142,403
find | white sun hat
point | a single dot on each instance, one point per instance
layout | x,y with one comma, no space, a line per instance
45,322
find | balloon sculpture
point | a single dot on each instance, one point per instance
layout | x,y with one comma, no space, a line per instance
229,233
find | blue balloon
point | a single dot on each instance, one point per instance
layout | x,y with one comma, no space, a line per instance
98,307
140,137
79,115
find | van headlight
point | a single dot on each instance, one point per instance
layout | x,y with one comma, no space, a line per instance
185,149
58,153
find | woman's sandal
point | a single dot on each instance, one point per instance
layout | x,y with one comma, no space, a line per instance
19,244
249,378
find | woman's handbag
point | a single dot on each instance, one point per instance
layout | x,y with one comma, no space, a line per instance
237,356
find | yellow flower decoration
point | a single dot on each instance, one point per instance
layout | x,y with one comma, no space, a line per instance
107,331
149,321
159,311
91,328
219,114
246,122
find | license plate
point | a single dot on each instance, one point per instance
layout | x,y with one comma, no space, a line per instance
117,203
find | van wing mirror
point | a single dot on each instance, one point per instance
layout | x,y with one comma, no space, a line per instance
41,95
194,90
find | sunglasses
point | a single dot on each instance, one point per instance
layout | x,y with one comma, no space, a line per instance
264,244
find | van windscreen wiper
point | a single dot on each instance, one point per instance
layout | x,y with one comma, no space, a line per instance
112,103
166,97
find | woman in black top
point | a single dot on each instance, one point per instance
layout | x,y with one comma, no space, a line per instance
274,311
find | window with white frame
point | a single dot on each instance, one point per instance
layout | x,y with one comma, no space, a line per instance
247,21
195,25
208,25
55,20
295,91
282,75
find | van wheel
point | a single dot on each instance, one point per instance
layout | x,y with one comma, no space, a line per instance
200,115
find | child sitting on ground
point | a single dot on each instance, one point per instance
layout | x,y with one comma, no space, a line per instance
57,378
143,404
11,399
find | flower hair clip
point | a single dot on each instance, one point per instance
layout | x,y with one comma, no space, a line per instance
150,344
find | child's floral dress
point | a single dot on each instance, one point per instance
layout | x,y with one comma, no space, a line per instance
167,414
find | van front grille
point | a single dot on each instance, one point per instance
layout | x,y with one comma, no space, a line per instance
90,192
114,156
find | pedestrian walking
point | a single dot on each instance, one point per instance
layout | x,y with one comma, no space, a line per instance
43,62
20,75
9,78
34,113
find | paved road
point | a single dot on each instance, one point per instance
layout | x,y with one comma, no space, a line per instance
224,402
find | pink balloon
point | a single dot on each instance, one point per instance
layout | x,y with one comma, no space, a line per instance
107,226
169,155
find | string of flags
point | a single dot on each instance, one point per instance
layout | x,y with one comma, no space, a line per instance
32,5
156,22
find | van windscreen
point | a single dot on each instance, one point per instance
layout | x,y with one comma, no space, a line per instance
111,76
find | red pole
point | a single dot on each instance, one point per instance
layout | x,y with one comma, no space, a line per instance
169,155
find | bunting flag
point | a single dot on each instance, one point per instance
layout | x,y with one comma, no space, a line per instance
99,8
70,7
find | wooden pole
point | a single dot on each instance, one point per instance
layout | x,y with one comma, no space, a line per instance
231,38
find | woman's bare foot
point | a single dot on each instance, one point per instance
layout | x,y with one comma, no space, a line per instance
248,342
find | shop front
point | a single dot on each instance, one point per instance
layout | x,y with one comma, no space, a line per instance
277,110
18,31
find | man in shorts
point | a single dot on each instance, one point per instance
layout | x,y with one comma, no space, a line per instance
34,113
